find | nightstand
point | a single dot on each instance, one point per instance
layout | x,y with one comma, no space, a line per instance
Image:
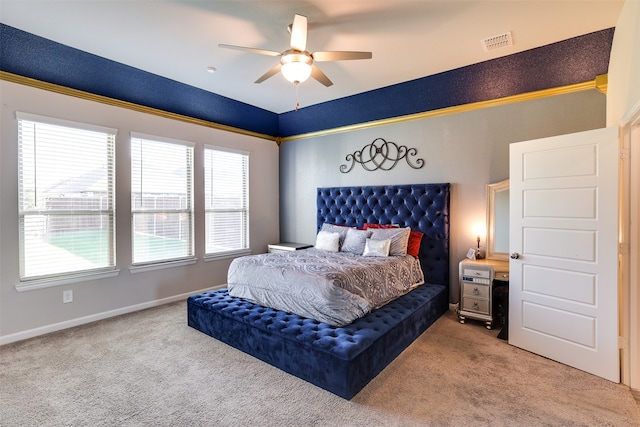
285,247
476,288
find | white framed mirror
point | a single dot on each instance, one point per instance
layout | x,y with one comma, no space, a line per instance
498,220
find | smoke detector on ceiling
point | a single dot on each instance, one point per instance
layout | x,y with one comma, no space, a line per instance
497,42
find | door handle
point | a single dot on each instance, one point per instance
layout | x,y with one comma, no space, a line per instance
515,255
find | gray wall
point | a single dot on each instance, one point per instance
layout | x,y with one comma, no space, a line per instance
30,313
468,150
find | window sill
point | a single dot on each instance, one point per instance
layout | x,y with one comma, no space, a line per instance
161,265
32,285
226,255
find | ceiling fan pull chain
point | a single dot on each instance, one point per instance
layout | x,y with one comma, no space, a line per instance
297,101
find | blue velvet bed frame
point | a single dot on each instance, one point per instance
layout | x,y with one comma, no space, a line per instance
344,359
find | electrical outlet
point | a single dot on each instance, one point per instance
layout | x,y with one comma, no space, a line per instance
67,296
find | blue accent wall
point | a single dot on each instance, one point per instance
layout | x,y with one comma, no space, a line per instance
576,60
571,61
31,56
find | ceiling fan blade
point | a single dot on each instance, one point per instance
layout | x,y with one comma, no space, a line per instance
299,33
317,74
251,49
340,56
272,72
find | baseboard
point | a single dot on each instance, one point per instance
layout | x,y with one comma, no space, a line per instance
453,306
43,330
636,394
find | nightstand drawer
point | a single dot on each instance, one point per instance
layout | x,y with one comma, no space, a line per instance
472,272
477,305
476,290
502,276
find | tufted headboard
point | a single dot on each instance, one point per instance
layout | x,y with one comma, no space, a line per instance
423,207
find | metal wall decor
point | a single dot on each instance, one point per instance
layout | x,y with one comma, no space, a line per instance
381,154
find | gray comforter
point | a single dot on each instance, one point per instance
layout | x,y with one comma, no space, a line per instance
331,287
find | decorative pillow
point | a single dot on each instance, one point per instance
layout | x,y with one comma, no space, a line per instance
327,241
413,247
377,247
355,241
340,229
399,239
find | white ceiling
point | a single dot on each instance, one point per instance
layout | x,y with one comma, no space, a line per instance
409,38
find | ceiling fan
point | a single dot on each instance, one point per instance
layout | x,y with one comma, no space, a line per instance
296,63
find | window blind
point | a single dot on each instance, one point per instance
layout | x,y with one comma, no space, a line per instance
66,197
161,199
226,194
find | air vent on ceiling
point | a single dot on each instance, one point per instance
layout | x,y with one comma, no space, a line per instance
497,42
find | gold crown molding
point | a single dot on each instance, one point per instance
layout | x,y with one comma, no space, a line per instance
599,83
27,81
602,83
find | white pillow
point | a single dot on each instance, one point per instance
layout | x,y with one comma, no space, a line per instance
399,239
377,247
327,241
355,241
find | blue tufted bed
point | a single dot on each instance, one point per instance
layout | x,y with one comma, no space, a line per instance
344,359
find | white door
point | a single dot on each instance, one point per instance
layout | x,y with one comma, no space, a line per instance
563,290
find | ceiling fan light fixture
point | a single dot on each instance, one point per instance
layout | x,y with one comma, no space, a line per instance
296,63
296,72
296,66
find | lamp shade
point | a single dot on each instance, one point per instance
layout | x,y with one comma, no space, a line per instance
296,72
296,66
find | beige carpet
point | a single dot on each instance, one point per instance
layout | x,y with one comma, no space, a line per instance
150,369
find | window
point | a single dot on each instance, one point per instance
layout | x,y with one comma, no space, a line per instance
226,192
161,199
66,198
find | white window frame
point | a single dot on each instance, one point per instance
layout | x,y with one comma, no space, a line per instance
39,281
190,258
245,250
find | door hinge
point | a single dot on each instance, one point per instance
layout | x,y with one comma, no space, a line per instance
623,248
622,343
625,154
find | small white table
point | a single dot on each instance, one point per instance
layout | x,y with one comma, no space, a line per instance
285,247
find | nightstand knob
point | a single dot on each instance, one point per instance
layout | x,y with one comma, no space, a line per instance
476,291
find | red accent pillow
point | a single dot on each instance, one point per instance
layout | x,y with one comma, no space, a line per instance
413,247
367,225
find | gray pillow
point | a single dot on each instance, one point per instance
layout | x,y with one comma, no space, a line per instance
340,229
399,239
355,240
